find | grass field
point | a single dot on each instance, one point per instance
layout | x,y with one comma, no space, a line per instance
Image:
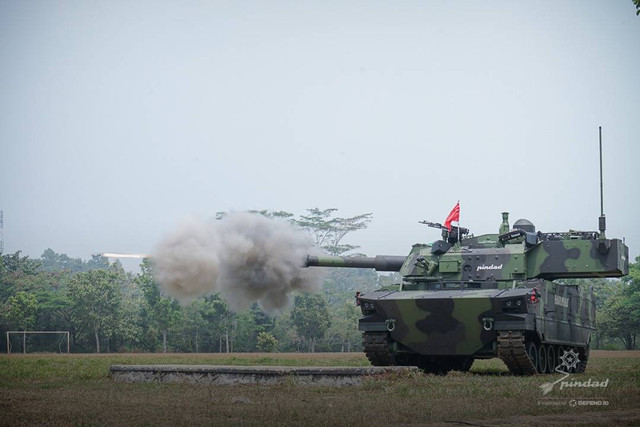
77,389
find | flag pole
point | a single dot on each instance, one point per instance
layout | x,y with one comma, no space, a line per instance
459,221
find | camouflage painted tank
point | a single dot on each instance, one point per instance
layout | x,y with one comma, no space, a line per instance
494,295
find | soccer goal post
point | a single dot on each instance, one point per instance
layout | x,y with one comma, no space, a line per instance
65,334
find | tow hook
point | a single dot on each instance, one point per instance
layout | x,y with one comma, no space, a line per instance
487,323
391,324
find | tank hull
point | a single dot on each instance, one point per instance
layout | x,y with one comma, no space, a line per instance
479,323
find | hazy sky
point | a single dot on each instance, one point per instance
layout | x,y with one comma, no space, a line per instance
120,118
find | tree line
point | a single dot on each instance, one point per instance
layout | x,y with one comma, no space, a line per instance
107,309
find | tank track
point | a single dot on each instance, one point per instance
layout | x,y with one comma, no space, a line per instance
512,351
376,347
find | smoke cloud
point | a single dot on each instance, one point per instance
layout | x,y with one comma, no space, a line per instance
244,257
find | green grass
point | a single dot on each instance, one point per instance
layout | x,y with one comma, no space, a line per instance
72,368
76,389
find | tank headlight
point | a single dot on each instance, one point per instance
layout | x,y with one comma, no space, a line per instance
512,304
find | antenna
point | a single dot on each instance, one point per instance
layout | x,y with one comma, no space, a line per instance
1,232
602,223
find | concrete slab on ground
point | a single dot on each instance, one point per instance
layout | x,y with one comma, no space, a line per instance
228,375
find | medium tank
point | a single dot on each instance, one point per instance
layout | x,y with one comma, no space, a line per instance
468,297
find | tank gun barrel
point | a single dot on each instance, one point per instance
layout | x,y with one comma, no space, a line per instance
379,263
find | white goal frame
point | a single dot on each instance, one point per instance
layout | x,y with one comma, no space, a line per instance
24,333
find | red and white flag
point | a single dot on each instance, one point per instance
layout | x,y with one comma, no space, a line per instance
453,216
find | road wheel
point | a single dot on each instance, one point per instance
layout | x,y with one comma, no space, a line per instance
542,359
532,352
552,362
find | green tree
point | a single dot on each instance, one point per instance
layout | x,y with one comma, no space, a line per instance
163,312
21,312
286,334
52,305
344,327
129,333
14,263
619,321
341,284
52,261
267,343
96,301
63,309
21,274
637,3
193,326
248,326
329,231
620,316
310,316
633,279
220,321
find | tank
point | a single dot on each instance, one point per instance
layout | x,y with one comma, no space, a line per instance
468,297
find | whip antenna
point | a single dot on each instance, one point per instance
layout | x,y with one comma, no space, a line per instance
602,223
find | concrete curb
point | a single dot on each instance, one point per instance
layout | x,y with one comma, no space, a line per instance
230,375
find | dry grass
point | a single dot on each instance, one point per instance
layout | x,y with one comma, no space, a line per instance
76,389
608,354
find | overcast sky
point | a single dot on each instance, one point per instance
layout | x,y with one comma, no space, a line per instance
118,119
